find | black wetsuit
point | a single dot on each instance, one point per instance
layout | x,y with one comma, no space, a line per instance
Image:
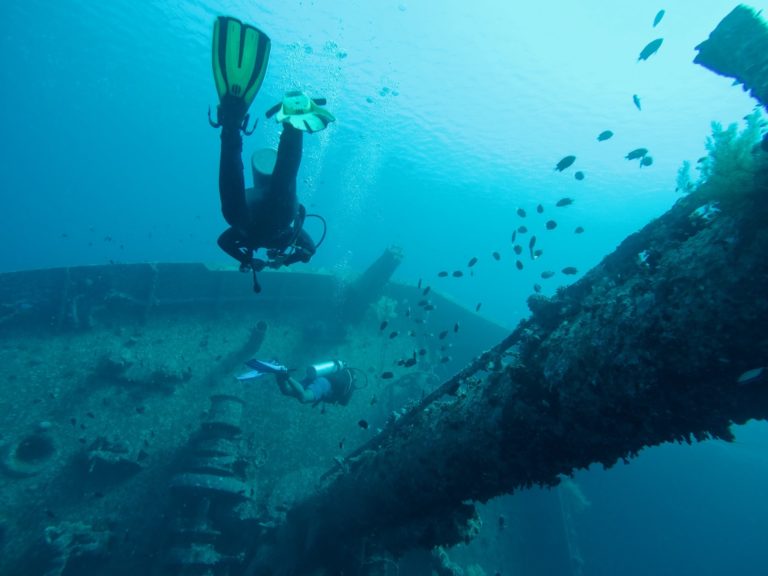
272,220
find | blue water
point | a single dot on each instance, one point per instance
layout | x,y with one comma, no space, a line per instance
451,115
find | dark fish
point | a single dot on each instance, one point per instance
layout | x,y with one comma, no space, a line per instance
422,351
456,328
579,175
636,153
429,307
408,312
442,274
547,274
386,375
341,442
514,235
374,399
531,244
479,305
419,285
522,229
539,208
659,16
393,334
443,334
383,325
564,163
363,424
646,161
564,202
521,212
419,320
423,302
410,362
650,49
537,288
569,271
472,262
579,230
519,265
426,290
518,249
604,135
445,359
457,274
636,100
551,224
496,256
537,253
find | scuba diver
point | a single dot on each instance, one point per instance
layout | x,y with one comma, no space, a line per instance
268,215
331,382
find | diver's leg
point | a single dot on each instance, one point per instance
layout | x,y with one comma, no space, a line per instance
231,180
281,196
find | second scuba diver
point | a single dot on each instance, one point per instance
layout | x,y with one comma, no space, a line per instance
268,215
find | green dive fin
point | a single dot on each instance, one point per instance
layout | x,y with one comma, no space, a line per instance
240,58
302,112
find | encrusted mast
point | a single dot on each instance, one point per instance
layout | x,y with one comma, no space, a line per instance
663,341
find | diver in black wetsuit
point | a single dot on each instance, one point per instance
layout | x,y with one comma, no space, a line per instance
268,215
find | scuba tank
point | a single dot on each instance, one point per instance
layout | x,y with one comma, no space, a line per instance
325,368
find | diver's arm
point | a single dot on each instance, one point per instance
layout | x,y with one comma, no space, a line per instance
294,388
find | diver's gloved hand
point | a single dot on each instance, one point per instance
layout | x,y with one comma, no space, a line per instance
254,264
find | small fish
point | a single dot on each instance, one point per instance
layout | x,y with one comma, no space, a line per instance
363,424
547,274
383,325
537,253
539,208
408,312
374,400
564,202
386,375
636,100
514,235
457,274
646,161
564,163
657,19
531,244
551,224
521,212
579,230
422,302
393,334
522,230
426,290
579,175
604,135
537,288
456,328
479,305
519,265
496,256
518,249
442,274
472,262
422,351
445,359
443,334
419,285
636,153
650,49
429,307
569,271
341,442
410,362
